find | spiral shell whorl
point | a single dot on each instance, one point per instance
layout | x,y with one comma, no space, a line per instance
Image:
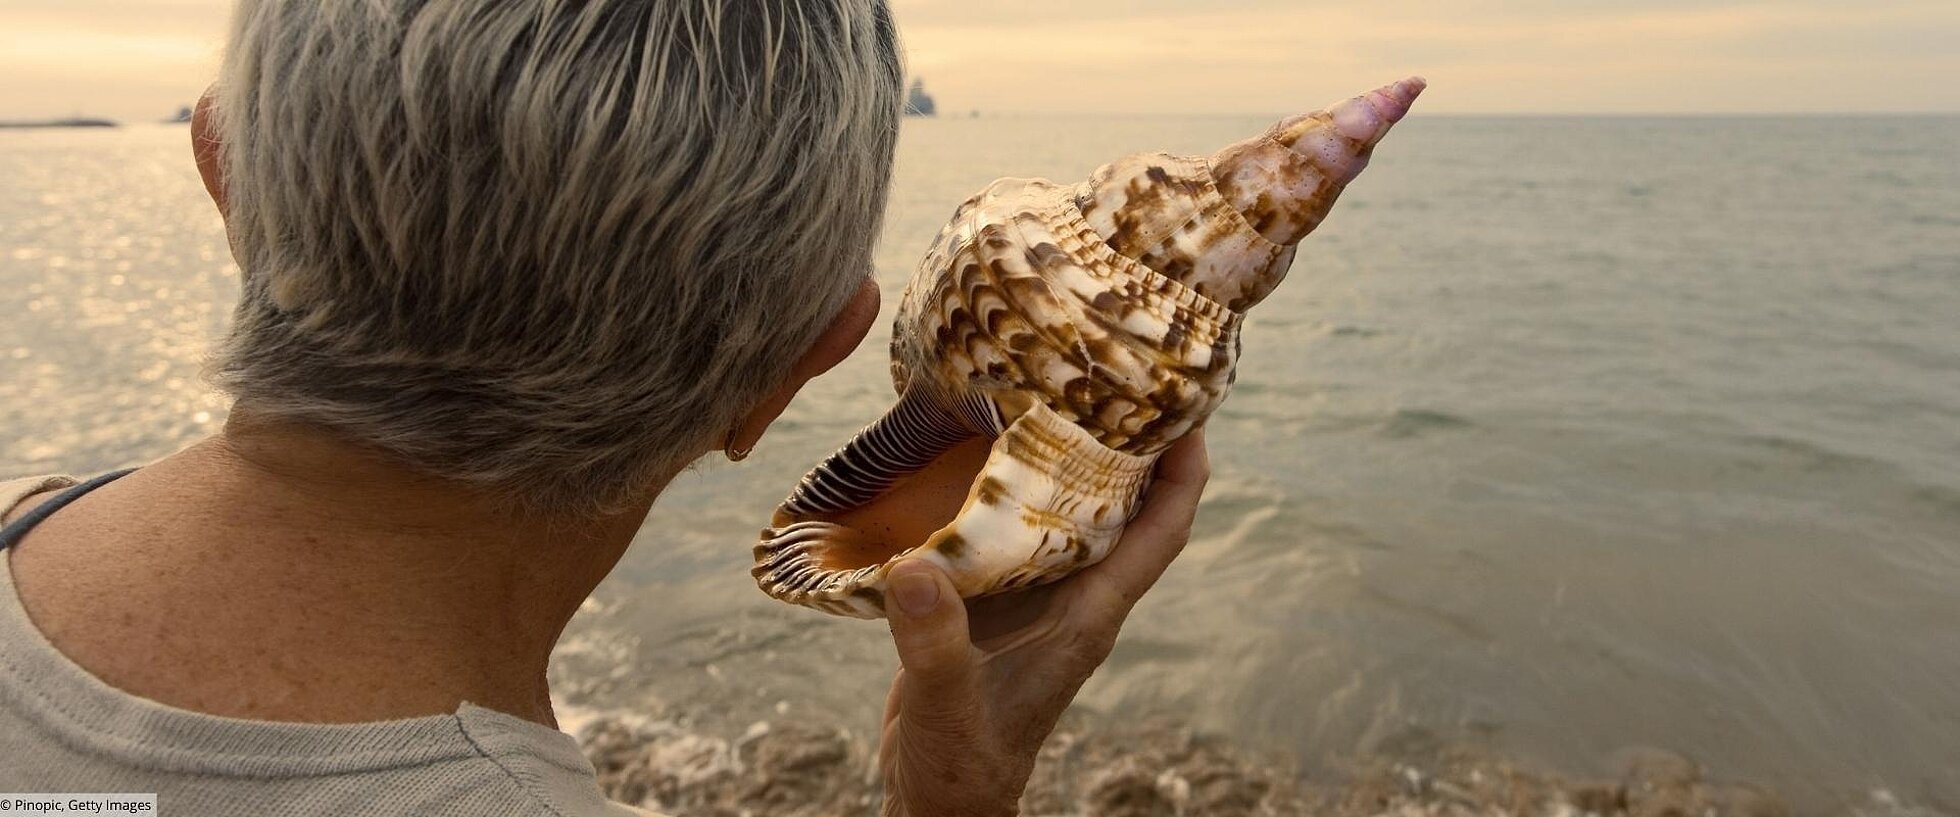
1024,295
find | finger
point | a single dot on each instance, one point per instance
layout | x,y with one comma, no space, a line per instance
939,687
1159,532
996,622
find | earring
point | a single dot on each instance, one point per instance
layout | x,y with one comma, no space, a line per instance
734,454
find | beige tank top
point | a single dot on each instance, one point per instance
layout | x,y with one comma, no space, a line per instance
64,730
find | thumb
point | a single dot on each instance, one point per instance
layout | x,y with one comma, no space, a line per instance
928,621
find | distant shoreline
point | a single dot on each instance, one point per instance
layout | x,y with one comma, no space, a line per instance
71,122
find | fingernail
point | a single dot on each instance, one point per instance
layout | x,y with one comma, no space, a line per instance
915,589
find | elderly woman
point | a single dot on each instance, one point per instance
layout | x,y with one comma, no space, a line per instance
509,267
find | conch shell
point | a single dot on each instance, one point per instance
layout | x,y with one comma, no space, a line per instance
1053,343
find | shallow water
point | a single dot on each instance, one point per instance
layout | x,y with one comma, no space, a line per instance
1569,435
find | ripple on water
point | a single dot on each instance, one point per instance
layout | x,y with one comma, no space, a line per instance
1942,500
1408,423
1791,453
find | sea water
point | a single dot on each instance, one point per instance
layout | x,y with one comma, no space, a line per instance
1565,435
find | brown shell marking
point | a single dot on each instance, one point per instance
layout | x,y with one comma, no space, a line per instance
1036,302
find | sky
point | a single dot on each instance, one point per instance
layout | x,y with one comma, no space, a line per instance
140,59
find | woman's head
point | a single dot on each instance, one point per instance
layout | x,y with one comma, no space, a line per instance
549,248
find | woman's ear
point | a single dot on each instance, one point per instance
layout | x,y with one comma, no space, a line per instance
836,343
207,148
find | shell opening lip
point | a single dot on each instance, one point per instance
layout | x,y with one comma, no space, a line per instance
828,548
903,516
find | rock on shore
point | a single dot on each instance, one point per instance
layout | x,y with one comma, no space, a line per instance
1153,770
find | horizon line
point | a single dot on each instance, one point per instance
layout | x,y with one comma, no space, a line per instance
966,113
969,113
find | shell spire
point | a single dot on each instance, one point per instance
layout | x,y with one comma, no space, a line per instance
1284,199
1053,342
1282,183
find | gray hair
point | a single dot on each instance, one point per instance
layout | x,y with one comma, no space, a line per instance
549,248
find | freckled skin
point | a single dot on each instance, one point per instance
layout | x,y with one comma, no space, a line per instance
1111,307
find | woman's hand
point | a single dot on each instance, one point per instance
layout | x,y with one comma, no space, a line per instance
983,684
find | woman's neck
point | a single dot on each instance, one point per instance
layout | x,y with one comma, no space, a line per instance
278,573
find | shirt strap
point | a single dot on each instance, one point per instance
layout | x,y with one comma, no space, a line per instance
18,529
